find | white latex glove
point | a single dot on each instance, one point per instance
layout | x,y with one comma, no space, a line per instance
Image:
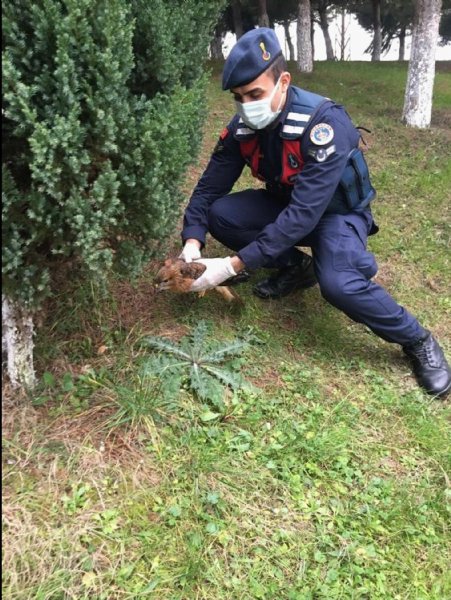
218,270
190,252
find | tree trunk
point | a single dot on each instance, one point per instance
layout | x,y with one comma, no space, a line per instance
286,26
324,24
237,18
377,40
344,38
304,40
312,32
17,342
420,79
263,19
216,45
402,43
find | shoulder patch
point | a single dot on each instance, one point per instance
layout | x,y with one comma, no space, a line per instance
321,154
321,134
224,133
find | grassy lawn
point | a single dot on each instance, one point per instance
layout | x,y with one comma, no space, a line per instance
325,479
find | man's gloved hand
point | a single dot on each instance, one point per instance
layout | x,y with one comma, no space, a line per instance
218,270
190,252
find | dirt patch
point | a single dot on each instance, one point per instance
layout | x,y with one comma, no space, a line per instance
269,378
134,303
386,274
52,448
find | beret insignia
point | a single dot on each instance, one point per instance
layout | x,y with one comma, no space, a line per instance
265,54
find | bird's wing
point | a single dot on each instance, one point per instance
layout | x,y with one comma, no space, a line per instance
192,270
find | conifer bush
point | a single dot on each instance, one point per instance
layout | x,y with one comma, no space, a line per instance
102,113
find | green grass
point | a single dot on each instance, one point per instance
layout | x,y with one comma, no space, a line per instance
328,479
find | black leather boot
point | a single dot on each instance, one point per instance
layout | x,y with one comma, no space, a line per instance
430,366
287,280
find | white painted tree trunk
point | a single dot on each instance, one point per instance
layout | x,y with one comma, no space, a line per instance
17,343
304,39
420,79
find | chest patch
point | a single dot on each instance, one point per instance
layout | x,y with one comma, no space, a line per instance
321,134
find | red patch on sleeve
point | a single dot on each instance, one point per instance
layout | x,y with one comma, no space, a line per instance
224,133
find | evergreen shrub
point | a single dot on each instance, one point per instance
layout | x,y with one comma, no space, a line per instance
102,113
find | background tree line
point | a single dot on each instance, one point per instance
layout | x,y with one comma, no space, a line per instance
386,20
428,21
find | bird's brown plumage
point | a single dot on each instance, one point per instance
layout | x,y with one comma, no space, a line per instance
177,275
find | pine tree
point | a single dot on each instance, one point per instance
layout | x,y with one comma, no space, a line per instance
102,111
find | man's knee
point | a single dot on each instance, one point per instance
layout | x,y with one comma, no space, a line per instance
224,225
218,217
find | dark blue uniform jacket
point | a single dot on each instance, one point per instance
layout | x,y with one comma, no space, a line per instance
304,203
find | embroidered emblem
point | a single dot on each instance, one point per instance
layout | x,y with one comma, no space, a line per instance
321,154
322,134
265,54
224,133
292,161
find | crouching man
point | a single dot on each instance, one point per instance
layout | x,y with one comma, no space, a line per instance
317,194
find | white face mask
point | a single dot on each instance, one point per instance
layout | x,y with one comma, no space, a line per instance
259,114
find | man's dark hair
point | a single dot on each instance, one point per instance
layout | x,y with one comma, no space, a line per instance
278,67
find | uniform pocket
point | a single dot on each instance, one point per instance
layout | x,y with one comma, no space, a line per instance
351,254
367,265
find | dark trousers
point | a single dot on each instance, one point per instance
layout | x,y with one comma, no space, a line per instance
343,266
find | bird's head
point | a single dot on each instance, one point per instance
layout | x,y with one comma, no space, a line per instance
164,279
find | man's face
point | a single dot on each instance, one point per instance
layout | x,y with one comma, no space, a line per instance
261,88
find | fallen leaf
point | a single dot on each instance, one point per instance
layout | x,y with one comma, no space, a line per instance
88,579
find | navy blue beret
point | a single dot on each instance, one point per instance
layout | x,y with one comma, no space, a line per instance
253,53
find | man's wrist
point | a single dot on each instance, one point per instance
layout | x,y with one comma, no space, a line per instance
237,264
194,242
